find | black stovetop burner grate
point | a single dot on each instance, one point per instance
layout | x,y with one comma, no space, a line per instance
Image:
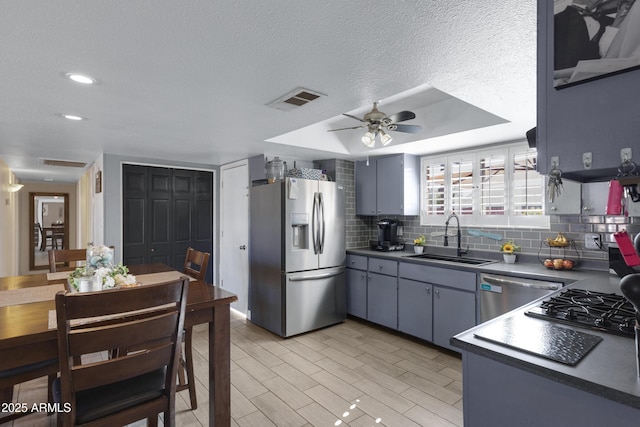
594,310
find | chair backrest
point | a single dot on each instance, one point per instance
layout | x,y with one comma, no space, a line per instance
196,263
149,318
58,229
60,259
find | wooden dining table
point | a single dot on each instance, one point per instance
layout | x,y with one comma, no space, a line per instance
26,336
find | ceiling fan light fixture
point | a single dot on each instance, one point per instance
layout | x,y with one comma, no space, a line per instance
72,117
81,78
369,139
385,138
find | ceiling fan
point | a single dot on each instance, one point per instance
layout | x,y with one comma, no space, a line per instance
378,122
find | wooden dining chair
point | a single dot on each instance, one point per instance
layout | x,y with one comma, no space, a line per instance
61,259
195,265
57,234
17,370
136,384
46,238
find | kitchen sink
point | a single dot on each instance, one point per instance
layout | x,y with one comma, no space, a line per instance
460,260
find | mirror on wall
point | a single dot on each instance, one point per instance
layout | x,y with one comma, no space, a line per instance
49,213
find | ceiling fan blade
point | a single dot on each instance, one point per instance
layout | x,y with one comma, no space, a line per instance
408,128
355,127
402,116
354,117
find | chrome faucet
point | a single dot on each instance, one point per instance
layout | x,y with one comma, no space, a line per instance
459,251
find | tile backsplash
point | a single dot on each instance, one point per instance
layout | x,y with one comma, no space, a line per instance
360,230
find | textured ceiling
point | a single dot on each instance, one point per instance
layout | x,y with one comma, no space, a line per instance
191,80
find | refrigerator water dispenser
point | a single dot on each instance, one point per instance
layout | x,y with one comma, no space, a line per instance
300,225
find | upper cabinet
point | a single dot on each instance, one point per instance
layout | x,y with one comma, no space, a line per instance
567,203
594,198
598,117
388,185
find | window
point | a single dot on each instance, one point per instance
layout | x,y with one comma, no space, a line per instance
496,187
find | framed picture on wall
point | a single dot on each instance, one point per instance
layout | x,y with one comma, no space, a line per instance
594,39
99,182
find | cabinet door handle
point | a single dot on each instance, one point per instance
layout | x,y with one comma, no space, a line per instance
426,288
380,266
437,292
553,208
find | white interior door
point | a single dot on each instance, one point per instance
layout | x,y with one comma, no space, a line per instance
234,232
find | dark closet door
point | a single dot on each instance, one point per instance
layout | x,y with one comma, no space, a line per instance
165,212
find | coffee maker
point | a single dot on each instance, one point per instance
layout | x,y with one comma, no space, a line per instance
387,236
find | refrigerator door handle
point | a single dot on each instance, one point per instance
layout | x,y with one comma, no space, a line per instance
314,220
316,276
321,207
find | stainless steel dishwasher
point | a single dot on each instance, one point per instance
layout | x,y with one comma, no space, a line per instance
500,294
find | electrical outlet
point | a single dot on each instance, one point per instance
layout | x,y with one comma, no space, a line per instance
592,241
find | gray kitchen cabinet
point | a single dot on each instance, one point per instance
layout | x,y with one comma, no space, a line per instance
366,187
598,116
357,285
382,292
388,185
415,312
453,302
594,198
568,203
454,311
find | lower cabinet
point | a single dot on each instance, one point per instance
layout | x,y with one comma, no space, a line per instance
434,313
454,311
357,292
425,301
415,313
382,300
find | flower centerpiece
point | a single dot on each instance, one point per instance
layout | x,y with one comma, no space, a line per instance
99,272
508,250
419,244
101,278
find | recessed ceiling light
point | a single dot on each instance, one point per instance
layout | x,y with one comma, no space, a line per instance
81,78
72,117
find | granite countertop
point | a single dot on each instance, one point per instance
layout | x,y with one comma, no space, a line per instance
608,370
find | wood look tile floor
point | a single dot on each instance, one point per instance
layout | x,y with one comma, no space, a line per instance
351,374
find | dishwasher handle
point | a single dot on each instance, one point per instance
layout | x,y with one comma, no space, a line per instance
537,284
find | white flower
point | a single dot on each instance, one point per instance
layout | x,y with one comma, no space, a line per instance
102,271
108,282
130,279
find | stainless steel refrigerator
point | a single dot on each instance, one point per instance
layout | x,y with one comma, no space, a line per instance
297,255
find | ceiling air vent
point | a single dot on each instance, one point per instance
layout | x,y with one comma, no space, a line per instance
294,99
63,163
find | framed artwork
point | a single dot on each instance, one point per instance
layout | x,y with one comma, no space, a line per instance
99,182
594,39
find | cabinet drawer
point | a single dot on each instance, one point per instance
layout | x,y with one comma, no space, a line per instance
357,261
465,280
383,266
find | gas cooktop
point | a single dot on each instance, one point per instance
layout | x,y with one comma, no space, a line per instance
610,313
